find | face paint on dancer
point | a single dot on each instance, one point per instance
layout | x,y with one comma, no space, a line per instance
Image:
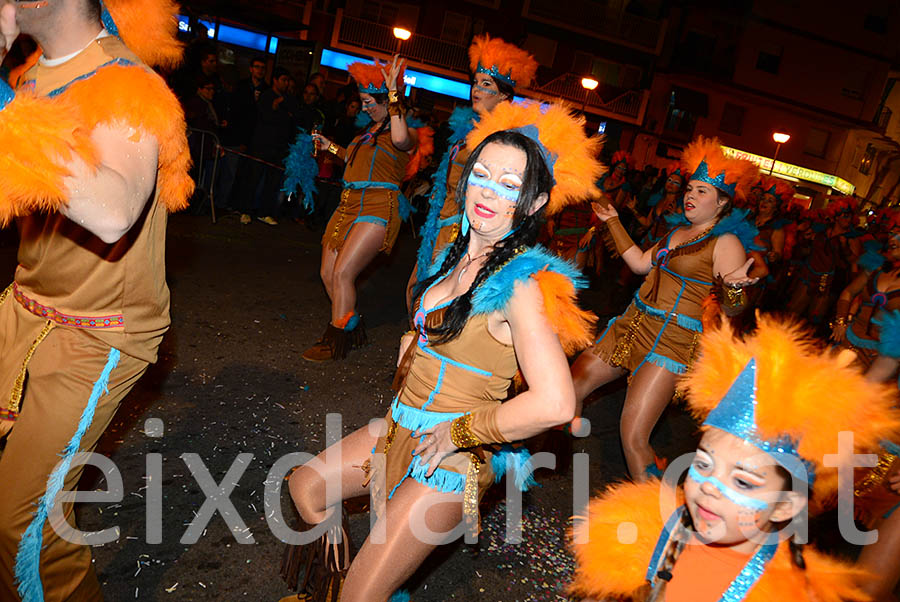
735,492
485,93
377,111
493,189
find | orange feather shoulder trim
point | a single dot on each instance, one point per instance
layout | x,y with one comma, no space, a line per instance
613,544
41,135
149,28
144,102
424,150
574,326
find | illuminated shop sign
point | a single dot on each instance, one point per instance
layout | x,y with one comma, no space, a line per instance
794,171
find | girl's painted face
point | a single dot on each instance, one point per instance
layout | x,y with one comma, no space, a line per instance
734,492
376,111
493,189
702,202
485,93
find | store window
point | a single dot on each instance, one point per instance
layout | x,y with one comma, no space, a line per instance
817,142
732,119
769,59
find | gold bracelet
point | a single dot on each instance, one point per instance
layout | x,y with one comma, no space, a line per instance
461,435
842,321
393,96
395,109
333,149
734,295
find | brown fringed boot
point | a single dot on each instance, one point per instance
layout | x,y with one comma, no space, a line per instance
338,339
316,571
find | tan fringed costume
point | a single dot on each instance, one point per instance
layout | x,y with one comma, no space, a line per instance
83,319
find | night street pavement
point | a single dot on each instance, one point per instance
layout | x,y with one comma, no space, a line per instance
246,302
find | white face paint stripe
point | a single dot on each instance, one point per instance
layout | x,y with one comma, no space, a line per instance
735,496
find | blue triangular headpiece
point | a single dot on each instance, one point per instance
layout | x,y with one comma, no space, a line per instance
702,174
772,190
532,132
736,414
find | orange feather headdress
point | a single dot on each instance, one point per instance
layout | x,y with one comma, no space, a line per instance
842,204
781,189
571,155
622,156
502,61
777,390
705,160
369,77
148,27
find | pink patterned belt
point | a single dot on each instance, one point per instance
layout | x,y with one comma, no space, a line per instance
45,311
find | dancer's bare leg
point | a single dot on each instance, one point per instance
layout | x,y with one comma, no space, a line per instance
649,392
589,372
360,248
381,568
326,269
341,463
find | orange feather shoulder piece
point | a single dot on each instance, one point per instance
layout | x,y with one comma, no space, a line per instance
574,326
149,29
424,150
143,101
614,543
38,137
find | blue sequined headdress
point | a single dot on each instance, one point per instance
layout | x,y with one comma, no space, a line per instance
736,414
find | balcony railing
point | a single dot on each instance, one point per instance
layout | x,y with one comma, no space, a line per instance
422,49
598,19
629,104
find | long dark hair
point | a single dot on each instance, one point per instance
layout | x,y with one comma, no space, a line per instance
385,124
525,225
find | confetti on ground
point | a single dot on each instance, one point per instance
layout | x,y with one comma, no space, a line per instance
541,562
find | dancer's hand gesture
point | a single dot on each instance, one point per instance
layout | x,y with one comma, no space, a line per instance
604,213
435,446
739,277
391,78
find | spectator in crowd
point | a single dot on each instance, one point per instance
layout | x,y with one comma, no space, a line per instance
256,193
206,127
241,114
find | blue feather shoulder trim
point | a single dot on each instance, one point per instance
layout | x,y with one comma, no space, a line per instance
496,291
737,223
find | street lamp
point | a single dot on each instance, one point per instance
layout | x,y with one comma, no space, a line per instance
779,139
588,83
402,35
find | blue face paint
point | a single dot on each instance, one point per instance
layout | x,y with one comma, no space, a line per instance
490,91
499,189
733,495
